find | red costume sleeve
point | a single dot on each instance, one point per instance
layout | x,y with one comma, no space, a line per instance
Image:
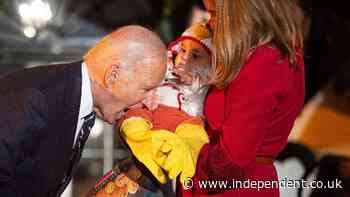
250,100
139,112
165,117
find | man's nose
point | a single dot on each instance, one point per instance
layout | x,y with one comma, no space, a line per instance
186,57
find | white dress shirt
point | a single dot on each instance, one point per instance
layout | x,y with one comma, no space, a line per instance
86,102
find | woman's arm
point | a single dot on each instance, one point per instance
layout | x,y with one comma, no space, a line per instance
249,102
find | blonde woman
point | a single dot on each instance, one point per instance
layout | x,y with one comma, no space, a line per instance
258,91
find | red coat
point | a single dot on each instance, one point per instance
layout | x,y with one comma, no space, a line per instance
252,117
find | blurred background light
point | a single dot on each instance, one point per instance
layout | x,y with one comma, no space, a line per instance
36,13
29,32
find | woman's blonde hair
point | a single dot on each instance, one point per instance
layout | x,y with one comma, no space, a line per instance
243,25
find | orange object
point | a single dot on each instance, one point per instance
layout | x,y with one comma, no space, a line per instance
121,187
326,130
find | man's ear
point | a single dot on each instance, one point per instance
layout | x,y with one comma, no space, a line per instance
112,75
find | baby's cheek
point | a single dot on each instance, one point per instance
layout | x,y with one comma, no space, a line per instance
180,61
177,60
179,65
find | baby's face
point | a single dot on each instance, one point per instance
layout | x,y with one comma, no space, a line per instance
192,57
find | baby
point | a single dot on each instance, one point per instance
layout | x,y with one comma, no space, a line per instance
186,80
178,100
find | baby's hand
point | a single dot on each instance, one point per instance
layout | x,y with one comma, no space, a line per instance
184,77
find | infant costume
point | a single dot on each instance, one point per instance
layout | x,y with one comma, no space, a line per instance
179,103
180,111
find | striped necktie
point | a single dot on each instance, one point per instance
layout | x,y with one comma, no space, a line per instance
83,135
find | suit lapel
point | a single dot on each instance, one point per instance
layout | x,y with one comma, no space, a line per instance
72,97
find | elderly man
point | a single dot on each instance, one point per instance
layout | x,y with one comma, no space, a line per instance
47,112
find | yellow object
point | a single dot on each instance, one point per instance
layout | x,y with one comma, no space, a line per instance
147,146
176,153
136,128
182,159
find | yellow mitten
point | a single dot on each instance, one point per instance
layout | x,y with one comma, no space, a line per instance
194,135
146,145
185,151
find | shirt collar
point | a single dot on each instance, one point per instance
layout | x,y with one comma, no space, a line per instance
86,105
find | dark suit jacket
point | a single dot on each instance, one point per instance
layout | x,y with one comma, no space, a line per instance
39,109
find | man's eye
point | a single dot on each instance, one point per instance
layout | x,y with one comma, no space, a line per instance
183,50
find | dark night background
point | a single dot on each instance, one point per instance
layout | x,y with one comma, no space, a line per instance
75,25
327,45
